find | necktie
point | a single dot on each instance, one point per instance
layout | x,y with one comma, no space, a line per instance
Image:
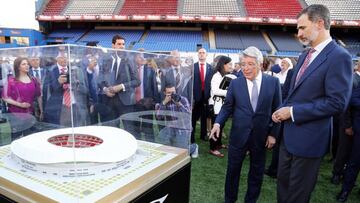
305,65
202,77
66,88
37,74
254,95
177,78
138,89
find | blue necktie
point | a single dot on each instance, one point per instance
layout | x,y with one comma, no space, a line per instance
254,95
37,74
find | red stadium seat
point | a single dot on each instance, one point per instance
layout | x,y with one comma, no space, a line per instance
149,7
272,9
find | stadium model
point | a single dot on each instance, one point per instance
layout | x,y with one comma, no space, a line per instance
75,152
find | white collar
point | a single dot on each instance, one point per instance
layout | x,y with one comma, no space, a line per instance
322,45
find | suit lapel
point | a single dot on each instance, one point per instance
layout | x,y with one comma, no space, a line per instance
316,63
264,84
246,91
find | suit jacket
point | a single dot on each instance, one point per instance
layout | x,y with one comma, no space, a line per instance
321,92
197,93
184,88
79,87
248,124
149,83
127,75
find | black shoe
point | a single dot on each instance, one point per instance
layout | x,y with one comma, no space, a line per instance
335,179
342,196
270,173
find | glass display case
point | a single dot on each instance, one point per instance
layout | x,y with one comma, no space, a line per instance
90,124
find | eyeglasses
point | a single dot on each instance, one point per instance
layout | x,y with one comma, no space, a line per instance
244,65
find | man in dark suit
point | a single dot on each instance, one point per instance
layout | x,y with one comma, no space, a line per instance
320,88
201,93
67,91
353,165
118,82
182,75
251,99
40,74
145,96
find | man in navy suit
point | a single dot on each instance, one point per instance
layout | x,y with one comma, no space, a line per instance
353,165
146,95
118,82
251,99
40,74
201,93
320,88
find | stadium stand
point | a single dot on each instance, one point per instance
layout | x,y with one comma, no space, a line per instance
166,40
239,40
55,7
351,42
67,36
104,36
86,7
213,8
285,42
149,7
340,10
272,9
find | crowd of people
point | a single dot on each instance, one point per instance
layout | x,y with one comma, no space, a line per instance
295,108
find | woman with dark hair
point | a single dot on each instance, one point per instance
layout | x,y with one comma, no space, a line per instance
22,90
222,68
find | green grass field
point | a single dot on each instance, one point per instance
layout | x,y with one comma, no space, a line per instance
208,179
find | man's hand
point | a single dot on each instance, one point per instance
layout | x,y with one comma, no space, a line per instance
215,132
167,99
349,131
116,88
108,92
270,142
281,114
62,79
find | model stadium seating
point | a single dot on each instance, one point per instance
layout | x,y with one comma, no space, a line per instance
55,7
149,7
340,10
271,8
91,7
213,8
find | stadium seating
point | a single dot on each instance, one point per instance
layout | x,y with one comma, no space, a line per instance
240,40
213,8
104,37
149,7
285,42
351,41
55,7
273,9
169,40
339,9
68,36
91,7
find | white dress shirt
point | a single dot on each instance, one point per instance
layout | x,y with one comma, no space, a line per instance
250,84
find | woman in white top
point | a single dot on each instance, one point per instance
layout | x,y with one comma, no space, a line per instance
223,67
